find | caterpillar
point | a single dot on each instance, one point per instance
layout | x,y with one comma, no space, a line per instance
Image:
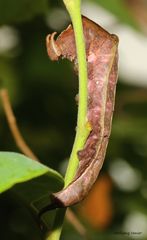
102,65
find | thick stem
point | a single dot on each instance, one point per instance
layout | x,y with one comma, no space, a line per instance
73,7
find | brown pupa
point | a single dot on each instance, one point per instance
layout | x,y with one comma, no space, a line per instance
102,59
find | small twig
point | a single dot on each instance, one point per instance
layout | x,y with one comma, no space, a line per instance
20,142
71,217
11,119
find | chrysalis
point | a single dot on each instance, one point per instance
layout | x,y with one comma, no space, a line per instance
102,58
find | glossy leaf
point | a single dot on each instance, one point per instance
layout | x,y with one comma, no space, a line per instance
17,168
35,194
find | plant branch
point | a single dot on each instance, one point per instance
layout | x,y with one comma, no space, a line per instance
72,218
83,128
20,142
73,7
24,148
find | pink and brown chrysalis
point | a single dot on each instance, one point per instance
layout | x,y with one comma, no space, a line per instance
102,58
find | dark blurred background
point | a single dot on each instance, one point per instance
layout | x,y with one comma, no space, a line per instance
43,97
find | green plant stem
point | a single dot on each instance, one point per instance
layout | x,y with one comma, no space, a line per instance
82,131
73,7
58,223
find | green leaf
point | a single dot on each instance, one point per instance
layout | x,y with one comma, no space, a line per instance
17,168
120,10
35,195
27,199
20,10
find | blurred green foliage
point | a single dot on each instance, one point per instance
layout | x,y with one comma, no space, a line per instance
120,10
42,93
17,11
